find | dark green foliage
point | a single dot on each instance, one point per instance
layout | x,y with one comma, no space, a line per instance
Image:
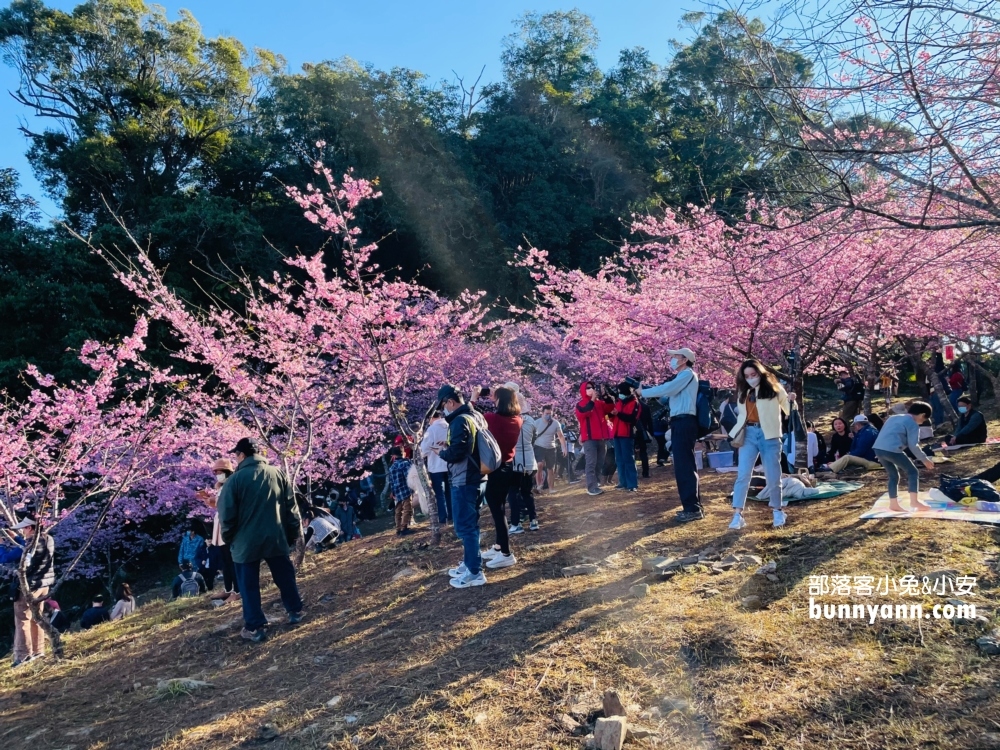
190,141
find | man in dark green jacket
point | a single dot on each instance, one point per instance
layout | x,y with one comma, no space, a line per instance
260,521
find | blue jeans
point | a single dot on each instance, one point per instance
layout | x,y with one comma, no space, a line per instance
465,503
937,410
683,436
625,461
894,463
770,453
248,577
954,396
441,485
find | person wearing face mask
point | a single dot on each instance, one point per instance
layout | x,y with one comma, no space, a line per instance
219,555
625,415
592,413
681,394
971,424
761,403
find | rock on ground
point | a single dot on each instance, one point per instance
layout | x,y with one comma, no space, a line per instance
580,570
640,590
612,704
609,734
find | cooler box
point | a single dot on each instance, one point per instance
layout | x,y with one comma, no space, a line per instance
719,460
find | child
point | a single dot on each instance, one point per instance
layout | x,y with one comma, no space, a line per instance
902,431
400,490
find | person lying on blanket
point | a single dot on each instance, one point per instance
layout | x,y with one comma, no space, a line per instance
900,432
793,487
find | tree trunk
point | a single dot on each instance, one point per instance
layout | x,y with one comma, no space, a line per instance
973,381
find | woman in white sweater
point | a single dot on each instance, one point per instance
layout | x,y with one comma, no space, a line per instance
761,401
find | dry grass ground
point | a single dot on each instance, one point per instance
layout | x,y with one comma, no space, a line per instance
417,664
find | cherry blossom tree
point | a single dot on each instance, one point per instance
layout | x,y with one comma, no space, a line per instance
72,453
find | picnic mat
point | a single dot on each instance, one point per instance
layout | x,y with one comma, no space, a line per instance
943,509
989,441
833,488
728,469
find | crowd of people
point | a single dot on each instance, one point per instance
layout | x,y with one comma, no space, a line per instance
500,455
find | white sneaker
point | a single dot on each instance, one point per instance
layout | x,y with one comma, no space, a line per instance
738,522
459,571
501,561
489,554
533,526
779,518
516,529
595,493
469,580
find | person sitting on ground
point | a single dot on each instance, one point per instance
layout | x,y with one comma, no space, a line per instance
124,604
862,448
793,487
188,582
901,432
54,614
400,490
971,425
840,442
322,531
96,614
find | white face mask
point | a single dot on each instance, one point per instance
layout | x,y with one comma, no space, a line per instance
753,382
674,363
220,478
447,411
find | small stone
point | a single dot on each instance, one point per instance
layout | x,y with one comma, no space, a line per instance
350,719
472,610
708,593
751,560
638,733
940,577
317,660
751,603
730,560
480,718
988,646
334,701
609,733
649,564
612,704
689,560
268,732
717,569
405,573
773,578
185,683
273,668
580,570
569,724
763,570
136,685
589,743
640,590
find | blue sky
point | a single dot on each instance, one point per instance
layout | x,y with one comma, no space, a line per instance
435,37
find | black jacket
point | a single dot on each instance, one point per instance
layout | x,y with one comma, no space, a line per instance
460,453
971,429
94,616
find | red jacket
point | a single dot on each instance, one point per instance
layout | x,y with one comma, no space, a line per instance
628,414
593,417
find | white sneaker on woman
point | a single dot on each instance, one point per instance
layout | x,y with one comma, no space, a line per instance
501,561
737,522
489,554
459,571
779,518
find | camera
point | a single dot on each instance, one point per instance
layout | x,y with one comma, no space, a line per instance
632,383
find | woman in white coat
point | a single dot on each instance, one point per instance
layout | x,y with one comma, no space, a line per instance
761,402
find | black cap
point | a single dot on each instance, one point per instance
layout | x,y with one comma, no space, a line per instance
446,392
247,446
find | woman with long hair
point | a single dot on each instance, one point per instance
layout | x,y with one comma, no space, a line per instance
124,603
761,402
505,424
840,441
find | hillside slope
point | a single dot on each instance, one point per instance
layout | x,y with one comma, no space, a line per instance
390,656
